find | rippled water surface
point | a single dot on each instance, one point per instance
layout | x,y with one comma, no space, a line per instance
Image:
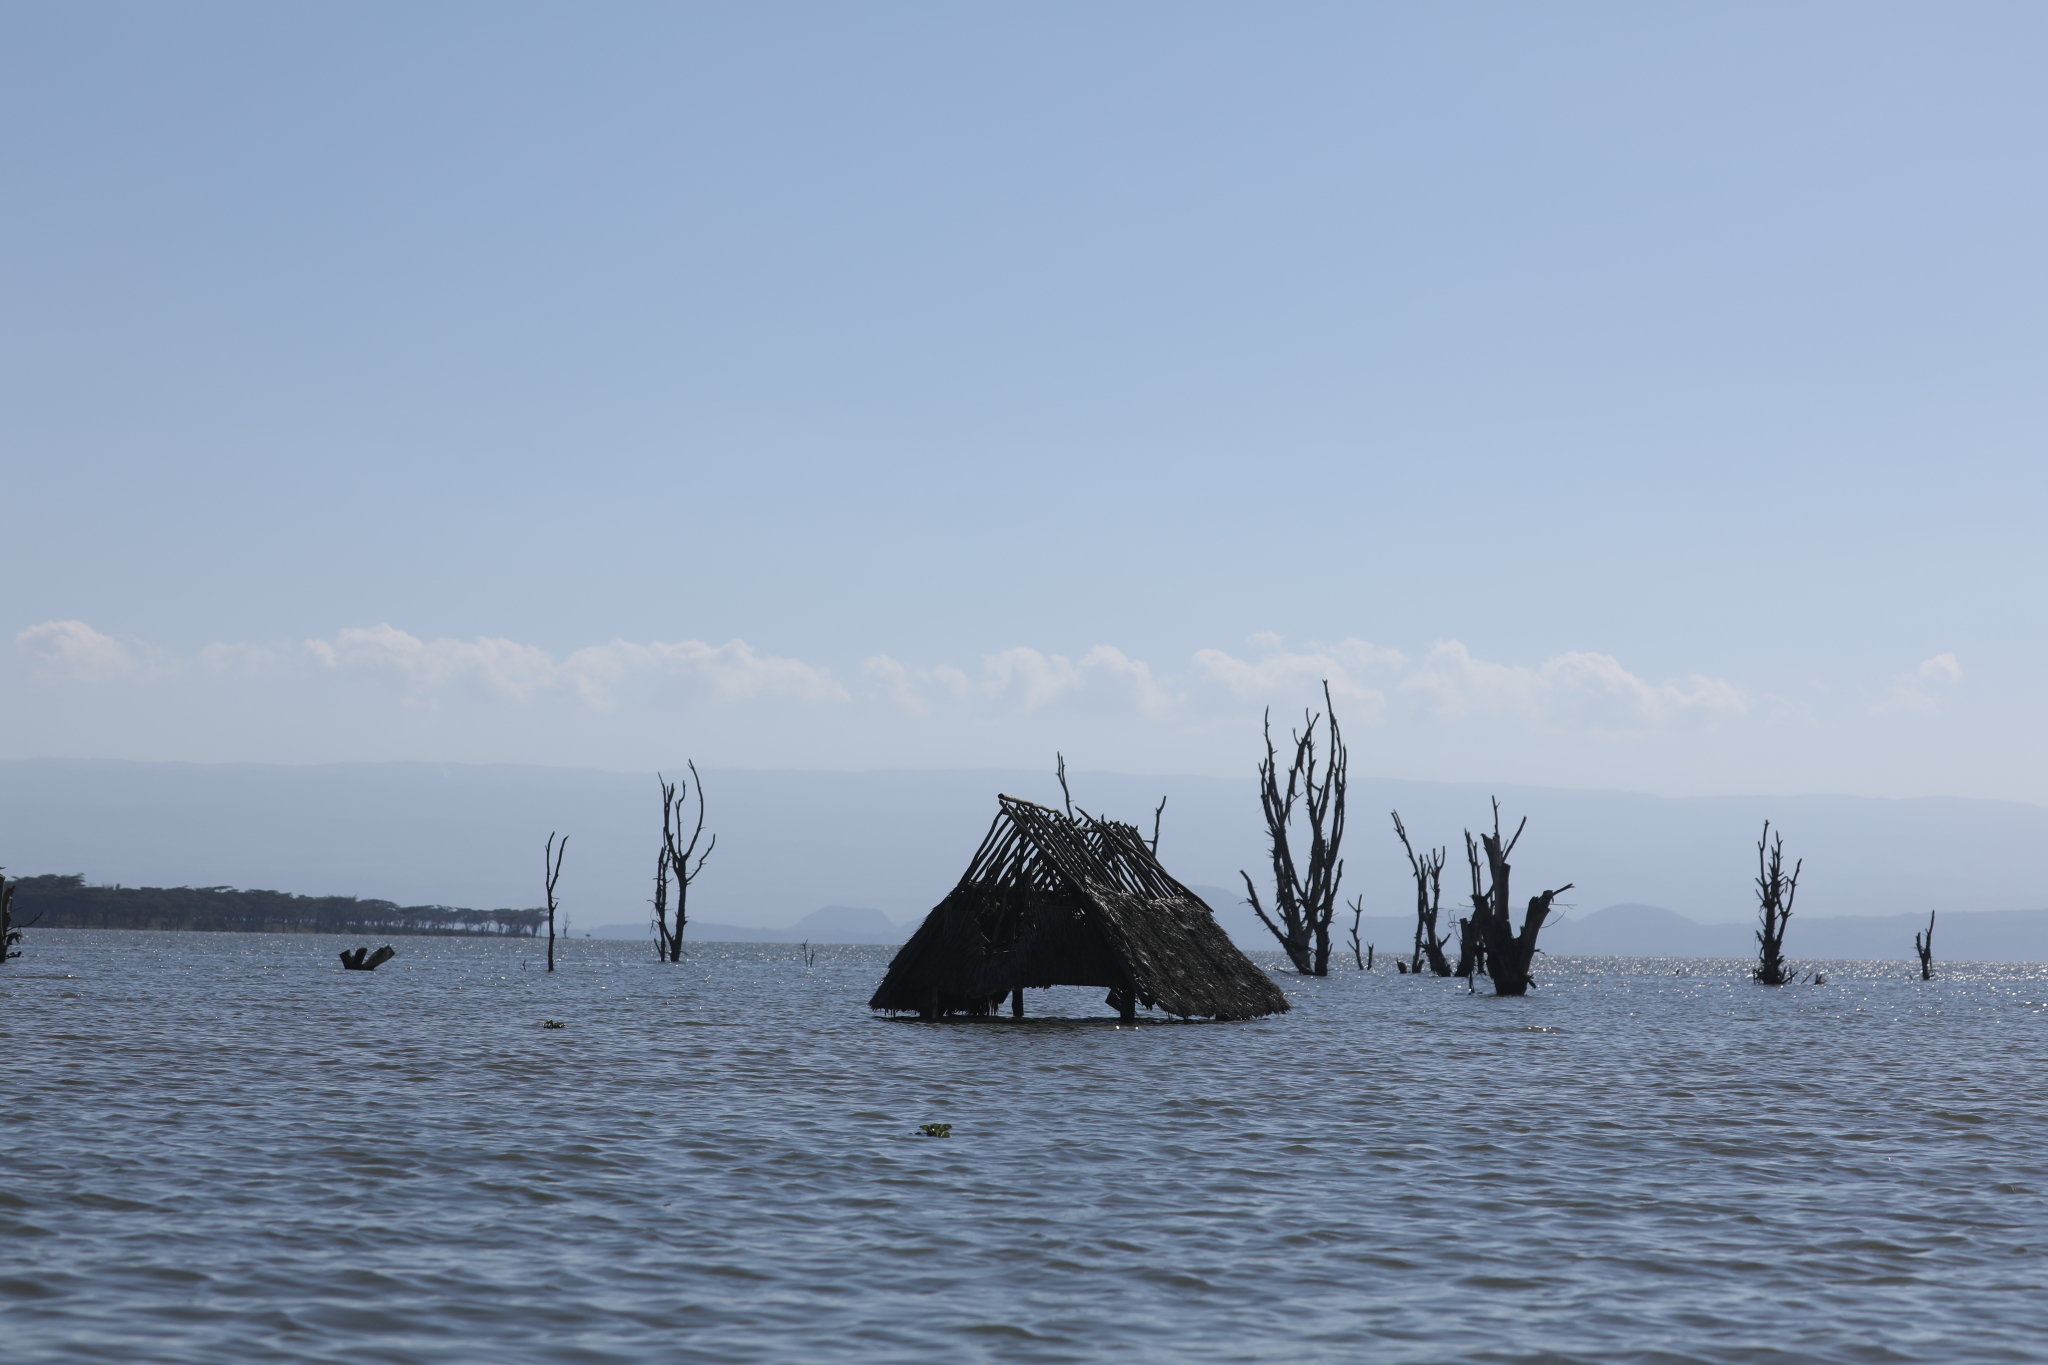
223,1148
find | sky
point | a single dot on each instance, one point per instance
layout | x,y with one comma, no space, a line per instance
1595,395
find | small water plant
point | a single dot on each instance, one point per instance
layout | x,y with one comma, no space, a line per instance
552,1023
935,1129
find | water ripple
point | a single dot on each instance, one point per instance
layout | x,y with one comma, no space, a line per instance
223,1149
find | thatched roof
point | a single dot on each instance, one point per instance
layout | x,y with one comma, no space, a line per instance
1054,900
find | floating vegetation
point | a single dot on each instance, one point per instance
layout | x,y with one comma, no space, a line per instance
935,1129
552,1023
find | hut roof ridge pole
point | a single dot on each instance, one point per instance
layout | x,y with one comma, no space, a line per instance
1052,899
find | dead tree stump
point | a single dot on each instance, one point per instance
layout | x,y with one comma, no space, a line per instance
1510,955
363,960
1925,947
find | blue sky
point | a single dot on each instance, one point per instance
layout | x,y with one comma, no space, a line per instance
1600,395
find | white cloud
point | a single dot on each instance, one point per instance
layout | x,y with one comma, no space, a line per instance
1943,667
1278,671
729,672
1105,676
1025,679
73,651
1915,691
1575,691
894,681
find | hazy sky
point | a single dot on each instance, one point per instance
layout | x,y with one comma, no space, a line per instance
1645,396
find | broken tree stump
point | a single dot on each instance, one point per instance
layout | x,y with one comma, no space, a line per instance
363,960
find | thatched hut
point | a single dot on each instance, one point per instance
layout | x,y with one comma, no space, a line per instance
1056,900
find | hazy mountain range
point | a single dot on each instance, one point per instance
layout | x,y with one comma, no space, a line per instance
885,846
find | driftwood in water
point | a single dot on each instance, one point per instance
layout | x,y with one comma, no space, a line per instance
1510,954
363,960
1925,947
551,863
1305,904
1774,893
674,864
1428,872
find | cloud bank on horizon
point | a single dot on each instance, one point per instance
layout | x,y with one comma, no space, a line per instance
1576,694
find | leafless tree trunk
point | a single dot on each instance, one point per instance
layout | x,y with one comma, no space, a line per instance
1509,954
10,932
663,943
551,863
1471,950
676,859
1774,893
1429,898
1157,815
1925,947
1305,905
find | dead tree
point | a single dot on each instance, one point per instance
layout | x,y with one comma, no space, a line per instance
363,960
1774,893
1304,904
10,932
1429,898
551,863
1156,817
1510,954
1925,947
1358,949
675,862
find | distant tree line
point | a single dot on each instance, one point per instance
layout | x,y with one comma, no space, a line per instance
66,902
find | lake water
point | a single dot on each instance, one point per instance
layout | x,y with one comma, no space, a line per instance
223,1148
